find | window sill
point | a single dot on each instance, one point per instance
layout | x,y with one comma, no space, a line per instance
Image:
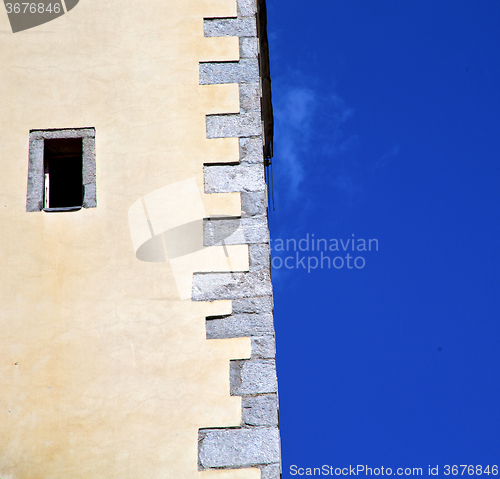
62,209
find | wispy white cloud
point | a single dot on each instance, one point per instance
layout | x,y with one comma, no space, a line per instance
314,157
294,113
308,123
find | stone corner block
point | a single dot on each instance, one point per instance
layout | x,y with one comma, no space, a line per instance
244,71
249,97
239,447
259,256
247,8
238,178
234,27
235,231
240,325
254,376
215,286
273,471
260,410
249,47
234,125
252,150
256,305
263,347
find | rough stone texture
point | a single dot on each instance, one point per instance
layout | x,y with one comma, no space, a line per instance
253,377
89,172
253,203
271,472
247,8
249,97
235,231
240,325
260,257
260,410
263,347
230,126
255,305
236,27
36,177
215,286
251,150
239,447
249,47
34,197
56,134
228,179
244,71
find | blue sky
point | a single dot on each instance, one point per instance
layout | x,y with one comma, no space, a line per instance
387,126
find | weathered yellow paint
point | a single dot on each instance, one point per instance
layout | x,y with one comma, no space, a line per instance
220,204
220,49
217,97
104,371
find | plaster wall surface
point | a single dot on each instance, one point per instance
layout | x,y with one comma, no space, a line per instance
104,371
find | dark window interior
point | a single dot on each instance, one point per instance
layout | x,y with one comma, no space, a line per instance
63,164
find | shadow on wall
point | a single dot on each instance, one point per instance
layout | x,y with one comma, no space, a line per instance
26,15
168,224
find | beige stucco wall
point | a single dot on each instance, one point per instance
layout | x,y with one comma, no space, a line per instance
104,371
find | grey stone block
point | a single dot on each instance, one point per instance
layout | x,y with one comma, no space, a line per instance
259,256
244,71
254,376
56,134
260,410
247,8
272,471
251,150
253,203
240,325
235,231
249,47
231,27
256,305
230,126
89,195
214,286
34,198
221,231
89,172
238,447
249,97
263,347
229,178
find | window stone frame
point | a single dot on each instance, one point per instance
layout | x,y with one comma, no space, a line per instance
36,177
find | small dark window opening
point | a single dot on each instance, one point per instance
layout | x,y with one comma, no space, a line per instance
63,165
61,170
